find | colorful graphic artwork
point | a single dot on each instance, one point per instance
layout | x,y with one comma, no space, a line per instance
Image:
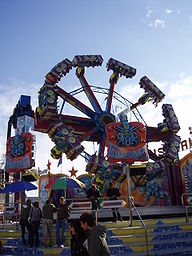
45,182
155,193
19,153
126,142
186,173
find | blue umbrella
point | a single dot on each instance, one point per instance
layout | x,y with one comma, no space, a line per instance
19,186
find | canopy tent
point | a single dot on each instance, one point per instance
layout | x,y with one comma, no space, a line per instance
18,186
67,183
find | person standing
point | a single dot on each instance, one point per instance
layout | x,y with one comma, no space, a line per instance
24,220
35,216
93,194
61,221
48,210
78,237
1,246
113,194
96,237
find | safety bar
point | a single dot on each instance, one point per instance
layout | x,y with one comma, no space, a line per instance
18,204
134,207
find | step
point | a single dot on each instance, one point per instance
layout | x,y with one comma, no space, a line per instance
165,237
148,222
13,250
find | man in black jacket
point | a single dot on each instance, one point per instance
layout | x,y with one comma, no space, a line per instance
93,194
113,194
61,221
96,237
48,210
24,222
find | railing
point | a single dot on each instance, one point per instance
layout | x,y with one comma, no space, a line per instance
134,207
186,199
9,212
87,207
77,206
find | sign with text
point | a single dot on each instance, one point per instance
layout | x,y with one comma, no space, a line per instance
126,142
19,153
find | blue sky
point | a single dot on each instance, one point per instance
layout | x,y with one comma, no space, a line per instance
155,37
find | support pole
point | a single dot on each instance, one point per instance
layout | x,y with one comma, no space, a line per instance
129,195
20,195
61,169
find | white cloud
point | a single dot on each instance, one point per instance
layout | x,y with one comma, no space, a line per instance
149,12
178,93
168,11
159,23
9,96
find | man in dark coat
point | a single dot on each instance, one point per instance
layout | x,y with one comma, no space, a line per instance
61,221
93,194
113,194
48,210
96,236
24,222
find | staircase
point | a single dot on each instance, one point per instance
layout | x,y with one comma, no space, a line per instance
168,236
165,237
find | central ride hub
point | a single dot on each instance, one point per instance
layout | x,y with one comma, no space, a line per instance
103,119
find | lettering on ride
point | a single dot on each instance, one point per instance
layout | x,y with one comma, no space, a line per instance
185,145
25,162
24,251
19,152
126,142
114,152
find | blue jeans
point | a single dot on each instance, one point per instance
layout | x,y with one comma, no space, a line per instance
60,224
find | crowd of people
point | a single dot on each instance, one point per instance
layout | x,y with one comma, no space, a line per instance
87,238
31,215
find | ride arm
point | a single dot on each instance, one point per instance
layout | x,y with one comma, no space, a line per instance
152,92
82,61
74,102
119,69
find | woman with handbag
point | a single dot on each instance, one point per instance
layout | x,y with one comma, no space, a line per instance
35,217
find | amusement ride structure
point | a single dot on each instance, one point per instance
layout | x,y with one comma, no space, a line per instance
125,142
68,132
